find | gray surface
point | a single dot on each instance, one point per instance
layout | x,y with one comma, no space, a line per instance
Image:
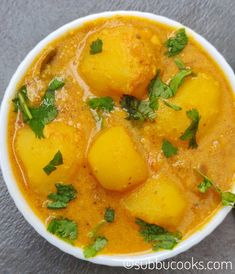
22,25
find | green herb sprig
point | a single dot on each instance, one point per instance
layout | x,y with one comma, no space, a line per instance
176,43
227,198
56,161
96,46
63,195
63,228
158,236
191,131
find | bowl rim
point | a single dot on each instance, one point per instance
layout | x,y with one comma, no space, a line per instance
10,180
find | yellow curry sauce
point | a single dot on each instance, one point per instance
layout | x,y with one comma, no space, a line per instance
74,130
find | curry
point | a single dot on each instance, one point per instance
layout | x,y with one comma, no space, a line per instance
121,136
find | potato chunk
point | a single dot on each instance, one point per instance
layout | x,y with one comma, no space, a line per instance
115,161
126,64
37,153
158,201
200,92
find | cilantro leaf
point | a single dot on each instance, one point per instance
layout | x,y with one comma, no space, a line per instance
179,63
95,230
191,131
96,46
158,88
102,103
178,79
205,184
176,43
56,161
21,103
228,199
60,199
170,105
63,228
91,250
166,241
38,117
168,149
55,84
158,236
109,215
137,109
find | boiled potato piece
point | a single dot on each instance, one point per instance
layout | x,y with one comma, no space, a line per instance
36,153
159,201
114,160
200,92
126,64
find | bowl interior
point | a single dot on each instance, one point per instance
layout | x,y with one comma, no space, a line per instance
114,260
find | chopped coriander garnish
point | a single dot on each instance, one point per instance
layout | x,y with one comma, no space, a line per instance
38,117
63,228
191,131
137,109
55,84
168,149
95,230
178,79
179,63
109,215
101,103
92,249
47,111
158,236
60,199
158,88
96,46
176,43
227,198
21,103
205,184
170,105
56,161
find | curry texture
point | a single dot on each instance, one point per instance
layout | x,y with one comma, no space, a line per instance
135,50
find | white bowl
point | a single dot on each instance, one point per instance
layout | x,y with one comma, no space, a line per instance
112,260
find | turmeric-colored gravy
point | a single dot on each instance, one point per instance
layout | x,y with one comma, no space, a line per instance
120,163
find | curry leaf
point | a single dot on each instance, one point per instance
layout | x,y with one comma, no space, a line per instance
176,43
191,131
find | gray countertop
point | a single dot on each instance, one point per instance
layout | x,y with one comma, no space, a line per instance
23,23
